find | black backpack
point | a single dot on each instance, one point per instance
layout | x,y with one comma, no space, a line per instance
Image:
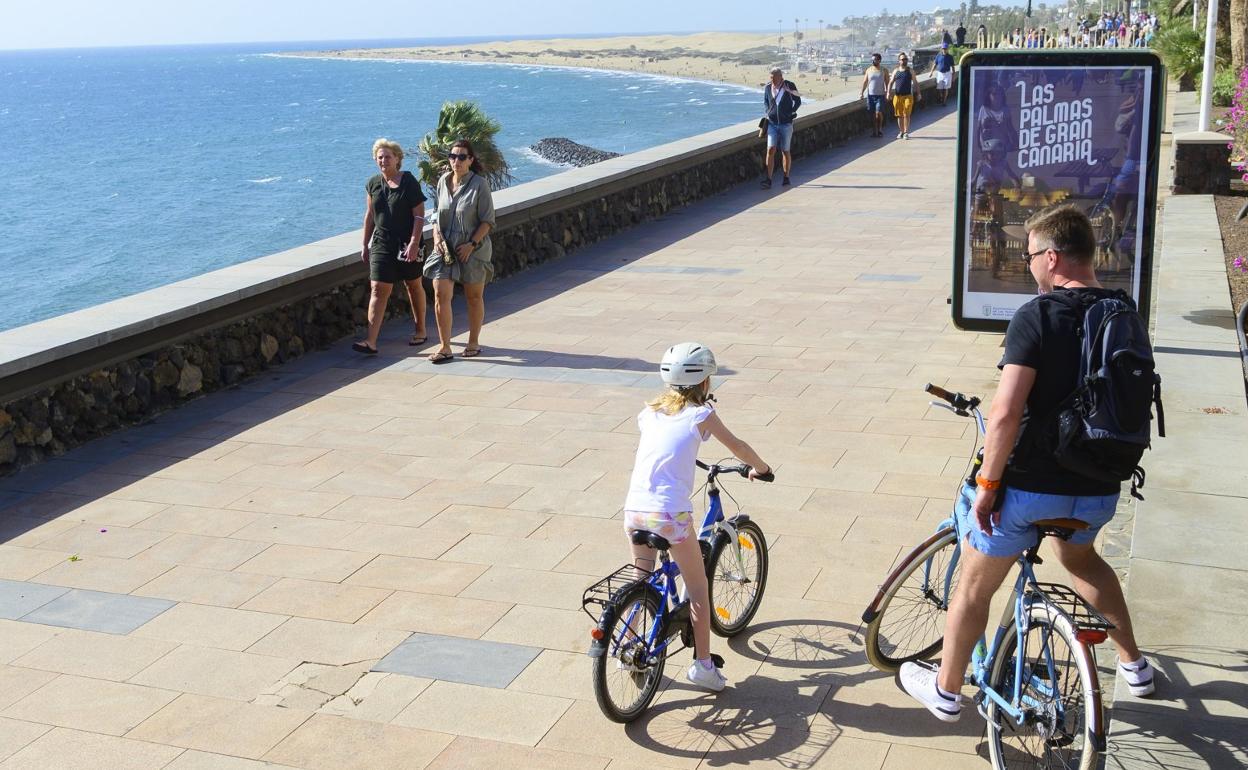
1104,426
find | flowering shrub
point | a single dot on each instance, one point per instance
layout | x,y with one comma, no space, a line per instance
1241,263
1237,125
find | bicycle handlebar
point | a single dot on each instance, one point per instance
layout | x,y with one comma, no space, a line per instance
958,401
741,469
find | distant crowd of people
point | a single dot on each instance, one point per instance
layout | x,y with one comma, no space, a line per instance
1110,30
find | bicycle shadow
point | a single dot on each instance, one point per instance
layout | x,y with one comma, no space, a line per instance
1194,720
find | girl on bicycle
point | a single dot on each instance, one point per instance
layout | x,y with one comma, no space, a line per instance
673,426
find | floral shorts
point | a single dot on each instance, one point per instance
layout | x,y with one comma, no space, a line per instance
673,527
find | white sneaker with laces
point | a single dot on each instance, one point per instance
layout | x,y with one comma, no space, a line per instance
1138,676
709,678
900,134
920,682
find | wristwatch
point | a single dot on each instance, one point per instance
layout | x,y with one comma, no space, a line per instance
475,244
987,484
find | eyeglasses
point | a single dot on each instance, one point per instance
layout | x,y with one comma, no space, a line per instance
457,156
1028,257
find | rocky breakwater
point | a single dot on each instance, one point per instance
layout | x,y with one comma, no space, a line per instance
566,152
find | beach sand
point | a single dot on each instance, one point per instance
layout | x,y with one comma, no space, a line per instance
738,58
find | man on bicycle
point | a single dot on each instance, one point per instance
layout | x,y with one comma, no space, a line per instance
1038,370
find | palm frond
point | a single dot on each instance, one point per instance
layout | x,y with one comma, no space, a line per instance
463,120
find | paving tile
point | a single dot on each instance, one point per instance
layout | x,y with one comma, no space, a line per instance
306,562
202,760
558,629
335,743
456,659
117,542
16,683
221,553
668,741
559,674
460,520
484,712
179,492
399,541
15,734
383,510
22,564
465,753
206,586
220,725
539,588
95,655
93,705
221,627
19,598
316,599
17,639
72,748
296,530
288,502
434,614
98,611
194,520
507,552
377,696
419,575
219,673
101,573
323,641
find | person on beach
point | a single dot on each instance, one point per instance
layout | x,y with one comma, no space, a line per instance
673,426
874,87
394,218
942,65
780,101
904,88
462,250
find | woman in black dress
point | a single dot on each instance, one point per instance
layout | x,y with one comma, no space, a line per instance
394,218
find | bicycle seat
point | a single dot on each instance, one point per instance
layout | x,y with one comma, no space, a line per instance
1062,528
657,542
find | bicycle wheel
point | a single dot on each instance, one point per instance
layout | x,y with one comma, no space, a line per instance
625,681
736,586
909,610
1060,693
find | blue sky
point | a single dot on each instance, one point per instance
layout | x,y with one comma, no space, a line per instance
80,23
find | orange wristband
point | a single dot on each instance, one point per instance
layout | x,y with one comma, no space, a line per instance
988,484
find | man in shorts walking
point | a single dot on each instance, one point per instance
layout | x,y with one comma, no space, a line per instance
874,87
942,65
904,87
1038,370
780,100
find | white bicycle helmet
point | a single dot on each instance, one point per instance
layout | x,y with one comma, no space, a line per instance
687,364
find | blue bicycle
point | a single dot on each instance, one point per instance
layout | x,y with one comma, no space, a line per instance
1037,679
639,614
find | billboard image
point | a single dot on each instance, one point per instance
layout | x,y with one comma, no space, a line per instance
1038,130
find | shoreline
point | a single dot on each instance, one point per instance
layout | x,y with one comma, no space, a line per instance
737,60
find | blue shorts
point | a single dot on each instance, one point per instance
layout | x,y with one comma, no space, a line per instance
1016,532
875,104
780,135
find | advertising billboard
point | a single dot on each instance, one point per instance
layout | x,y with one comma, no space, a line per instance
1039,129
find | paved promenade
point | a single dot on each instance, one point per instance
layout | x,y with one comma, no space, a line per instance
370,563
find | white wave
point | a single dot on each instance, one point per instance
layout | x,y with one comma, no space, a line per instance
294,104
528,154
265,180
306,180
632,88
283,129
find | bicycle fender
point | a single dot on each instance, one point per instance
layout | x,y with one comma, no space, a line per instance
598,647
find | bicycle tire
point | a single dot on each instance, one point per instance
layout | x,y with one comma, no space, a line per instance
909,619
613,677
734,603
1068,729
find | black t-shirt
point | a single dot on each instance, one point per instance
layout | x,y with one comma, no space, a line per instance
392,213
902,81
1044,335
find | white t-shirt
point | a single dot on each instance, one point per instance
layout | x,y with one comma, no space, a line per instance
663,473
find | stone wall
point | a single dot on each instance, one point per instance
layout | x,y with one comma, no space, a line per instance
73,401
1202,164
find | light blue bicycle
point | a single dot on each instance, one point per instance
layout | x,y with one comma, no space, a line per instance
1036,676
639,614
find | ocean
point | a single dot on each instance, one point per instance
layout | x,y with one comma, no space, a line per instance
126,169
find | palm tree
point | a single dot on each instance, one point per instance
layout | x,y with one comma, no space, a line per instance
463,120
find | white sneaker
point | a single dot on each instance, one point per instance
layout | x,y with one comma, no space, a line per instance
920,682
709,678
906,135
1138,676
900,134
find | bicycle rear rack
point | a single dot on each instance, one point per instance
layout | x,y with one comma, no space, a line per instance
1072,606
605,591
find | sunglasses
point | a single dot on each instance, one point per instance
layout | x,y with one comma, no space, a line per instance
457,156
1027,257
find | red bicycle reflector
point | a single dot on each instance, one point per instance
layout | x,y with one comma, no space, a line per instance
597,634
1091,635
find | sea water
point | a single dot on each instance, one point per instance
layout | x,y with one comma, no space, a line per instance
126,169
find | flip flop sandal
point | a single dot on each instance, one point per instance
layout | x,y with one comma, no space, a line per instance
360,347
441,357
415,340
470,353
